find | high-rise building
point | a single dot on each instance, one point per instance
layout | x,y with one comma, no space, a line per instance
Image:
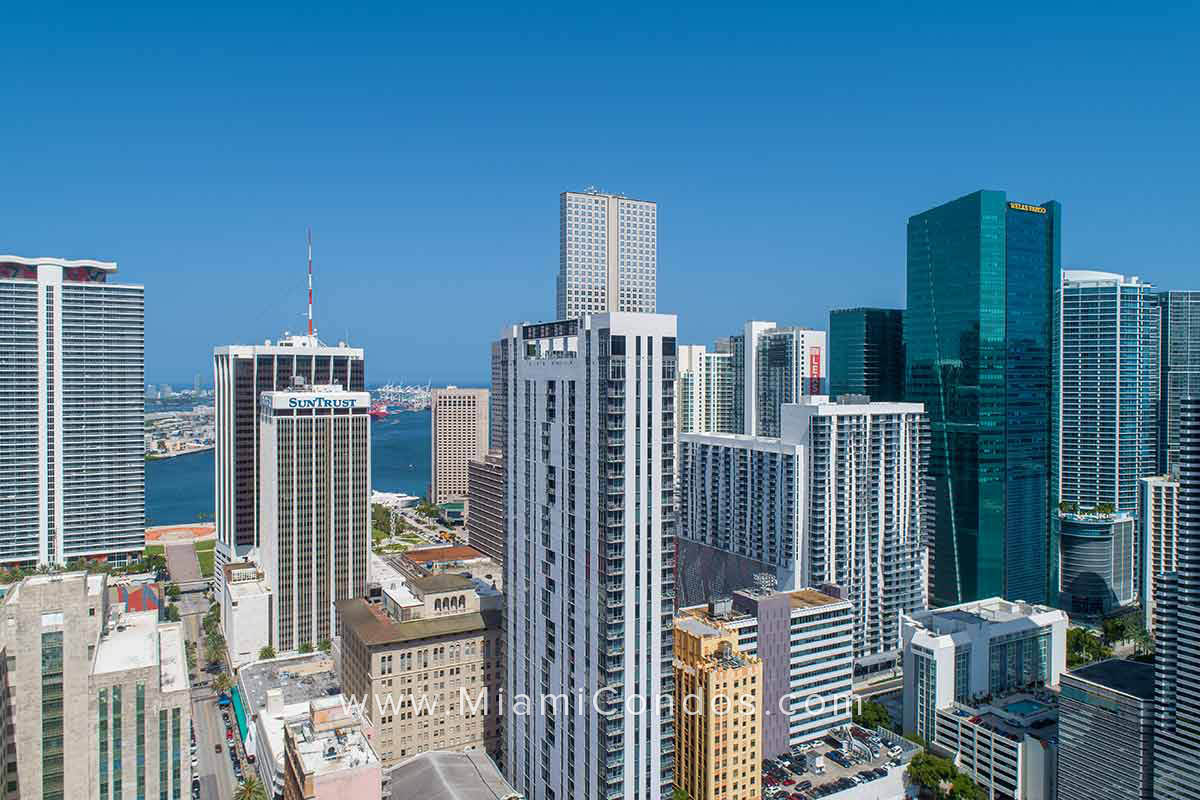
447,644
459,419
791,366
976,651
719,705
977,339
1105,432
866,353
1180,365
1106,732
72,422
704,390
744,348
485,505
1105,396
1177,632
839,498
315,501
609,258
241,373
102,690
1158,525
589,568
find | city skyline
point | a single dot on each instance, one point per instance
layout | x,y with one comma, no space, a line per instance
427,194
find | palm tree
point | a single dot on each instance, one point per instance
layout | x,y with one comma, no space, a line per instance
222,683
250,790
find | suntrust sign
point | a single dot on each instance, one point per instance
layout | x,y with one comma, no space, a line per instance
321,402
316,400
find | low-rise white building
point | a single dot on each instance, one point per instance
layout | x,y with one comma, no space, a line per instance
245,612
972,652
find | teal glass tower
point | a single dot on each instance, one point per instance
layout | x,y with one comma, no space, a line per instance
866,353
977,336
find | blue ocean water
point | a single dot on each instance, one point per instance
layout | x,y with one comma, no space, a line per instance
179,489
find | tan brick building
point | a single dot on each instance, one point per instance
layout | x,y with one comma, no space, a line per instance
718,713
413,674
460,434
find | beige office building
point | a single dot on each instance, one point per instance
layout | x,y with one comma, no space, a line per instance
96,699
460,435
413,674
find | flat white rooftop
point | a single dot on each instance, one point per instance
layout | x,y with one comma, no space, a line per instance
130,643
172,657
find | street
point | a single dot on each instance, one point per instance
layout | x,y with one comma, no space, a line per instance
214,769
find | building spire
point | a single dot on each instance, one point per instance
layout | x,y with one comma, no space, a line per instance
310,317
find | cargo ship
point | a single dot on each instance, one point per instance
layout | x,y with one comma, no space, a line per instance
378,411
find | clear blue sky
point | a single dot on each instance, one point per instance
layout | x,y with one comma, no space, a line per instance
427,148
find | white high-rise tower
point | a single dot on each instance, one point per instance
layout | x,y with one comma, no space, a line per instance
609,254
72,378
588,572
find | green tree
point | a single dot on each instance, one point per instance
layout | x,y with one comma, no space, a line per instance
173,613
250,790
222,683
680,794
267,652
963,788
306,647
325,646
873,715
173,591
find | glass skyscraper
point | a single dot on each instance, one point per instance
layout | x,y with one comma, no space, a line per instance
1180,365
866,353
977,336
1106,388
1177,633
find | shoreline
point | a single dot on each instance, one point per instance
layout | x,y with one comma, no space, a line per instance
165,456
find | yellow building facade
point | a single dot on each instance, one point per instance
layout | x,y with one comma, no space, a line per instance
718,713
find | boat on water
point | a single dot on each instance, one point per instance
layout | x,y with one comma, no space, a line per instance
377,411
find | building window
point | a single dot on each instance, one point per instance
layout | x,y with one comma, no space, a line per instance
52,715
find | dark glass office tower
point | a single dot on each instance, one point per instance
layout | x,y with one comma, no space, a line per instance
866,353
1177,633
1180,365
977,337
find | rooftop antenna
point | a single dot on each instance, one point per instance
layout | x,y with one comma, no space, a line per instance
310,325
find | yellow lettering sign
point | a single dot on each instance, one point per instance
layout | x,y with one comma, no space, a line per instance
1023,207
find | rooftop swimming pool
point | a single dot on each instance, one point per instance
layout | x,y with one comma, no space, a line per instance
1024,708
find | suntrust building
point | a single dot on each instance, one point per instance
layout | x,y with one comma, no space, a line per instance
314,497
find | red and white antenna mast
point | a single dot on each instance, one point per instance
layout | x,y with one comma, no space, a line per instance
310,325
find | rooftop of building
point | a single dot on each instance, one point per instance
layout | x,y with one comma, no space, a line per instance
129,641
301,679
66,263
811,598
441,555
172,657
1134,678
321,750
443,582
1091,276
440,775
1014,715
980,613
374,627
241,589
95,583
